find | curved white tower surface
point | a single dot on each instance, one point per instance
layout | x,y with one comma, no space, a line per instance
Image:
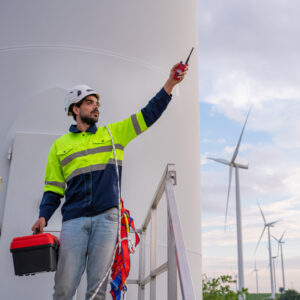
124,50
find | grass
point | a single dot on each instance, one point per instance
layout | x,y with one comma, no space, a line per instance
260,296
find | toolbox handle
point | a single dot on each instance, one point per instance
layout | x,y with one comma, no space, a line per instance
37,230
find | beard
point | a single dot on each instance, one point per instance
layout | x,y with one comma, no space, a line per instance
89,119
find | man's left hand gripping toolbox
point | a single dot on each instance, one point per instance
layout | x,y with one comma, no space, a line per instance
34,253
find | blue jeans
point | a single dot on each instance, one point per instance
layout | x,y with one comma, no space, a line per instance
86,242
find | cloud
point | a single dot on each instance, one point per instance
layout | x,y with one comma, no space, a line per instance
243,147
239,34
219,141
249,56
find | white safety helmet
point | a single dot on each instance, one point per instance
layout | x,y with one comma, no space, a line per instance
76,94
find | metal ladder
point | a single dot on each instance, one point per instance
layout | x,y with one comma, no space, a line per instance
177,258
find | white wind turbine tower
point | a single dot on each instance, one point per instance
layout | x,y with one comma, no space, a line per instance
268,225
280,242
274,270
232,164
256,275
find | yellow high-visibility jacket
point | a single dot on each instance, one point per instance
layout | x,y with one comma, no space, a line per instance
81,165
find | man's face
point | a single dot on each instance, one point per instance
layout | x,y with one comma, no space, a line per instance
88,111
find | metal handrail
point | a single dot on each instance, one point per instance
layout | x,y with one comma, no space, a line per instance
177,258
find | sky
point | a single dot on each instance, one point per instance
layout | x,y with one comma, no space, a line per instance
249,55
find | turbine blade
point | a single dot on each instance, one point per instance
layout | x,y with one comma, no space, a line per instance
282,236
272,223
260,239
263,216
240,139
228,193
275,238
242,166
220,160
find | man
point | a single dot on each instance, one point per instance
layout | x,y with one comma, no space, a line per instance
83,159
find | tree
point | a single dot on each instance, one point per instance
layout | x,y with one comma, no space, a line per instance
219,288
290,295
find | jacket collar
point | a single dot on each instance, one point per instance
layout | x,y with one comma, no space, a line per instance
74,129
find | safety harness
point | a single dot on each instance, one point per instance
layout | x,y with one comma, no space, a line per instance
120,266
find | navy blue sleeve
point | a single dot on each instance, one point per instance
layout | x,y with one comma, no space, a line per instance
49,204
155,107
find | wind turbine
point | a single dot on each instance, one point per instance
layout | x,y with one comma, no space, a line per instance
232,164
280,242
273,259
256,275
268,225
236,284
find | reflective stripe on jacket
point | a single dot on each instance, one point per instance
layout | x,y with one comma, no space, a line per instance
81,165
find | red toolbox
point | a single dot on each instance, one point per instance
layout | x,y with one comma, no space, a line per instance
34,253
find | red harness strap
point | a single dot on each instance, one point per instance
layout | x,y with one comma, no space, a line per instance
121,266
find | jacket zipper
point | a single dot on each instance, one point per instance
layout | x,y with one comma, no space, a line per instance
90,184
